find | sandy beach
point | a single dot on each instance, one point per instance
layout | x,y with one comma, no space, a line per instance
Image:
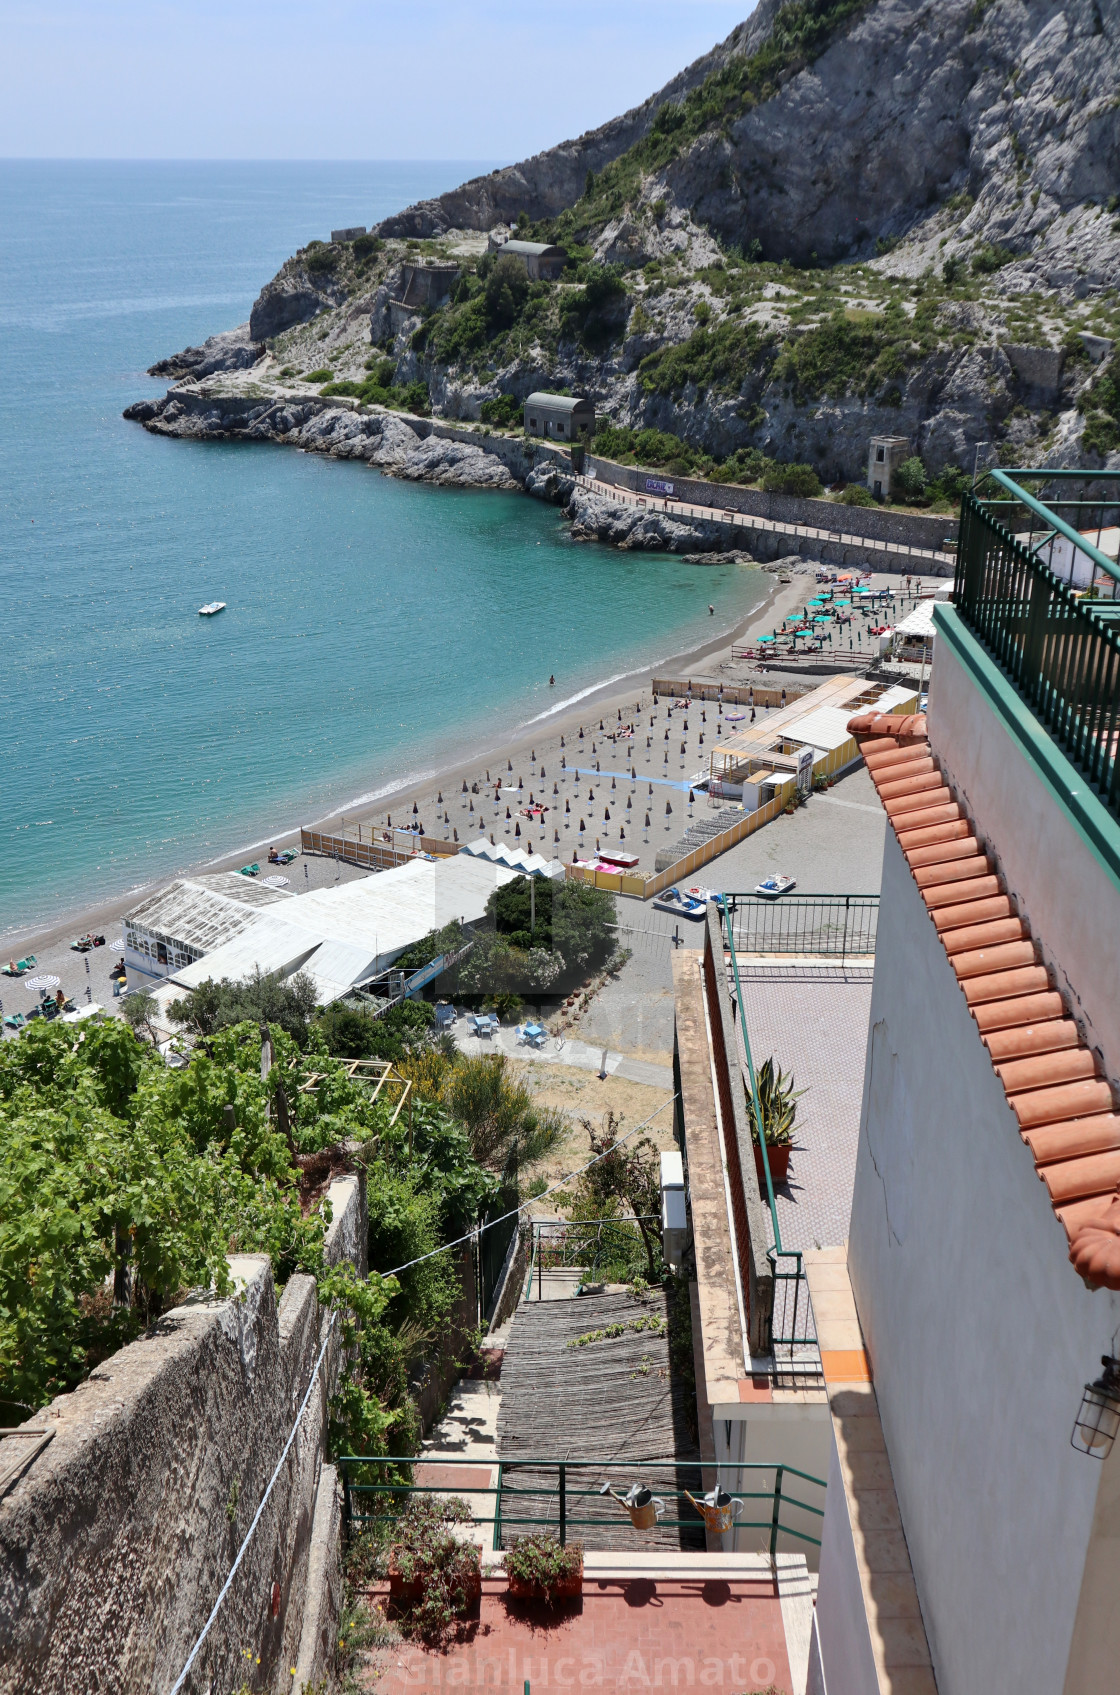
596,781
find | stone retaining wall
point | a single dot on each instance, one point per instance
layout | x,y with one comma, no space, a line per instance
877,523
117,1538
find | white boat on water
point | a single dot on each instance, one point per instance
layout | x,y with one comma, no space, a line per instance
212,606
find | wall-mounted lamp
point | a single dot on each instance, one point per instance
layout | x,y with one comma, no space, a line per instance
1098,1418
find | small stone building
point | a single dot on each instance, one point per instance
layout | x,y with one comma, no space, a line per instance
540,259
884,456
561,416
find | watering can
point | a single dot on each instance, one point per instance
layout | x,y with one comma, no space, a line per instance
717,1509
644,1507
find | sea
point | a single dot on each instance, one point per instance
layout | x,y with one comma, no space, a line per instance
375,630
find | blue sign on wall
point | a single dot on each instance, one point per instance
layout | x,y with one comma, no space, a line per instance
655,486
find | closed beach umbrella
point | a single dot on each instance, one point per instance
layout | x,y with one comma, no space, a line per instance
520,783
542,770
533,756
555,790
446,819
567,806
581,732
464,789
455,835
556,835
507,812
472,805
651,788
620,715
613,784
389,820
629,803
561,744
439,798
517,829
622,835
600,723
666,735
647,821
581,826
633,774
668,809
590,796
606,815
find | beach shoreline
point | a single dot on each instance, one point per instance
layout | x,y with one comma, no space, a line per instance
542,732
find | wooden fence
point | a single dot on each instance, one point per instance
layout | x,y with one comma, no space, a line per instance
374,856
633,883
745,694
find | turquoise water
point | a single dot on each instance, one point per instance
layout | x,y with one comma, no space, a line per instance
374,629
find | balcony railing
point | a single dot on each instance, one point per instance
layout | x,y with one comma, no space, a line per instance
830,926
1036,584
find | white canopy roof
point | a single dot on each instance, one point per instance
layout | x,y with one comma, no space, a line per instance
501,853
343,935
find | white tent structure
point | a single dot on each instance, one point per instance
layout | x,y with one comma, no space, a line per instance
352,932
514,858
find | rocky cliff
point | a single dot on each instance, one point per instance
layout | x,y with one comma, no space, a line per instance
853,217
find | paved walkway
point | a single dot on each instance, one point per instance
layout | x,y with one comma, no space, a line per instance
561,1050
747,521
467,1431
815,1024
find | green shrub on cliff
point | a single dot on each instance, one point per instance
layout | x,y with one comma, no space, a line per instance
504,410
792,479
725,359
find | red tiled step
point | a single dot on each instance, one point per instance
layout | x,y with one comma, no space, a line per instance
1041,1071
942,853
1079,1179
971,936
1019,1010
979,961
1074,1138
911,839
1066,1100
972,912
952,894
1018,1043
1006,985
953,871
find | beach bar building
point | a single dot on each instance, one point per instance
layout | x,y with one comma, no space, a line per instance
568,417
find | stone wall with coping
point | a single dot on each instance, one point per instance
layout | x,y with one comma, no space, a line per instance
116,1540
877,523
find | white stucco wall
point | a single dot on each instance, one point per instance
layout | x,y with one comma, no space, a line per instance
980,1333
1062,886
845,1661
788,1433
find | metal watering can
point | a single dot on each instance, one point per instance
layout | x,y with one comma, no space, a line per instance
717,1509
644,1507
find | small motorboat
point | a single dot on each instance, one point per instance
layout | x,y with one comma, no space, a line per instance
681,905
771,887
211,607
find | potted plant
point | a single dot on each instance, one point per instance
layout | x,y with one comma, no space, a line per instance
541,1568
776,1107
435,1580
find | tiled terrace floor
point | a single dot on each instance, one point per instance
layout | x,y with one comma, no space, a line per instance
626,1634
815,1023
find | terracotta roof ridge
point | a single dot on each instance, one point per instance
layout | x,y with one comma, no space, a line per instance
1050,1077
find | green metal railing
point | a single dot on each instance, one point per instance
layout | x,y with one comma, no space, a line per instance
833,926
578,1482
791,1317
1044,599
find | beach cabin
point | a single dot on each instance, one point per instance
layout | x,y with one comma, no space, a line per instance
543,262
561,417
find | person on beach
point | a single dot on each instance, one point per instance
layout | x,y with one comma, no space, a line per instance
711,610
552,682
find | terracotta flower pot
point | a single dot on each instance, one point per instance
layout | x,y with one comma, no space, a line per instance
568,1588
407,1591
779,1165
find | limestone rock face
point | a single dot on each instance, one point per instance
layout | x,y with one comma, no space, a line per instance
231,350
292,297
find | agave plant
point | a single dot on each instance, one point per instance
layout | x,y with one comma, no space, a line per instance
777,1105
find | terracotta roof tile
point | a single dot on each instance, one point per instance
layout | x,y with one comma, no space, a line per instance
1024,1039
970,936
975,962
1073,1138
1044,1070
1019,1010
954,894
952,871
1064,1109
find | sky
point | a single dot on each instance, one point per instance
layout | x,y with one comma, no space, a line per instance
333,79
